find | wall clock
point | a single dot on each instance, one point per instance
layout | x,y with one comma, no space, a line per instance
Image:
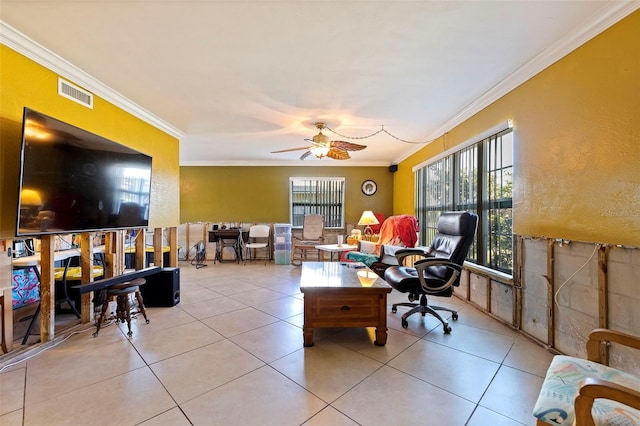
369,187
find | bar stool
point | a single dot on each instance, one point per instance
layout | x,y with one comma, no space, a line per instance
122,293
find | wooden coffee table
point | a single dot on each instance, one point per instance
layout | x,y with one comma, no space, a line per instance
336,295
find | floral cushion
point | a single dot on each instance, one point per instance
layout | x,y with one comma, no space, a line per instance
25,288
560,387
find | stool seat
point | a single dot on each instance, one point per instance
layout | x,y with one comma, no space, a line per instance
125,290
123,306
136,282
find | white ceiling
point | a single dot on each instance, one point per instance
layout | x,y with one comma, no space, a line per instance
235,80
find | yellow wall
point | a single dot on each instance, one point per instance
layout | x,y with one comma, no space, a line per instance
261,194
577,143
26,83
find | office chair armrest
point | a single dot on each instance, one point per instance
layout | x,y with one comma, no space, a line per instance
592,388
403,253
422,264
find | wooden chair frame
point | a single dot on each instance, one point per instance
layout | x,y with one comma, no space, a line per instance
592,388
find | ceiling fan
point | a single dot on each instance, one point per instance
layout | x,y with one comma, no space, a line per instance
321,146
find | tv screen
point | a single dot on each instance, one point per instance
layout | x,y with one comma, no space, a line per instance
72,180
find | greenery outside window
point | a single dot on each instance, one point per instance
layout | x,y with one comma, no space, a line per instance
477,178
323,196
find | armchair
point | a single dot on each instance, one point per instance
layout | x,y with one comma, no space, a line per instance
438,271
396,232
312,235
588,390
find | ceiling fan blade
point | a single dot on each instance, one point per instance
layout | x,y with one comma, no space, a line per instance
305,155
290,149
347,146
338,154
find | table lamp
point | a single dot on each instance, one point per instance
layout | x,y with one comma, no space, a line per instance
30,205
367,219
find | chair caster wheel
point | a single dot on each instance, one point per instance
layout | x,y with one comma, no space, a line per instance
146,322
454,316
95,334
447,329
405,323
394,309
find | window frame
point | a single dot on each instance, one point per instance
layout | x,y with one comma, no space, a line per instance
331,206
469,173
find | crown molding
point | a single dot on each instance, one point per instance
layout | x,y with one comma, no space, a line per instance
299,163
596,24
17,41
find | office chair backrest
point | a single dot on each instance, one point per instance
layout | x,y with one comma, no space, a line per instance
312,227
456,232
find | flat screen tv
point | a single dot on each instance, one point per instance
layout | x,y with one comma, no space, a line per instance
72,180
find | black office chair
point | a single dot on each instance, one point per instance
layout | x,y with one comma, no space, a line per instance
438,271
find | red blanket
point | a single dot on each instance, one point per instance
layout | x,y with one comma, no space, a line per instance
399,230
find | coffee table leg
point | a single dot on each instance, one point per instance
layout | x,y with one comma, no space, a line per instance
381,336
307,334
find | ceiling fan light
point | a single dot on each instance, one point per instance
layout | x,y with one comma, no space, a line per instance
321,139
320,151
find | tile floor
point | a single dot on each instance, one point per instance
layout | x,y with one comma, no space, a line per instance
231,353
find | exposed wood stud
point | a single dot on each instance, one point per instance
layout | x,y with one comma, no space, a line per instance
173,247
47,289
550,291
6,316
488,295
603,286
86,261
517,282
158,254
141,253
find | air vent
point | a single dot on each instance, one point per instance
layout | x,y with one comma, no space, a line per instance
76,94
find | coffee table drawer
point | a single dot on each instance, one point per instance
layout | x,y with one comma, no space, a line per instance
345,308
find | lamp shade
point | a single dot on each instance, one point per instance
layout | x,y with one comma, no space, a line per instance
368,218
320,151
31,198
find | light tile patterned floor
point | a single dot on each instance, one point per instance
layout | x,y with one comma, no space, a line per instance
231,353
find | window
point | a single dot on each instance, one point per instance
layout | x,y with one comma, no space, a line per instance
478,179
323,196
133,187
